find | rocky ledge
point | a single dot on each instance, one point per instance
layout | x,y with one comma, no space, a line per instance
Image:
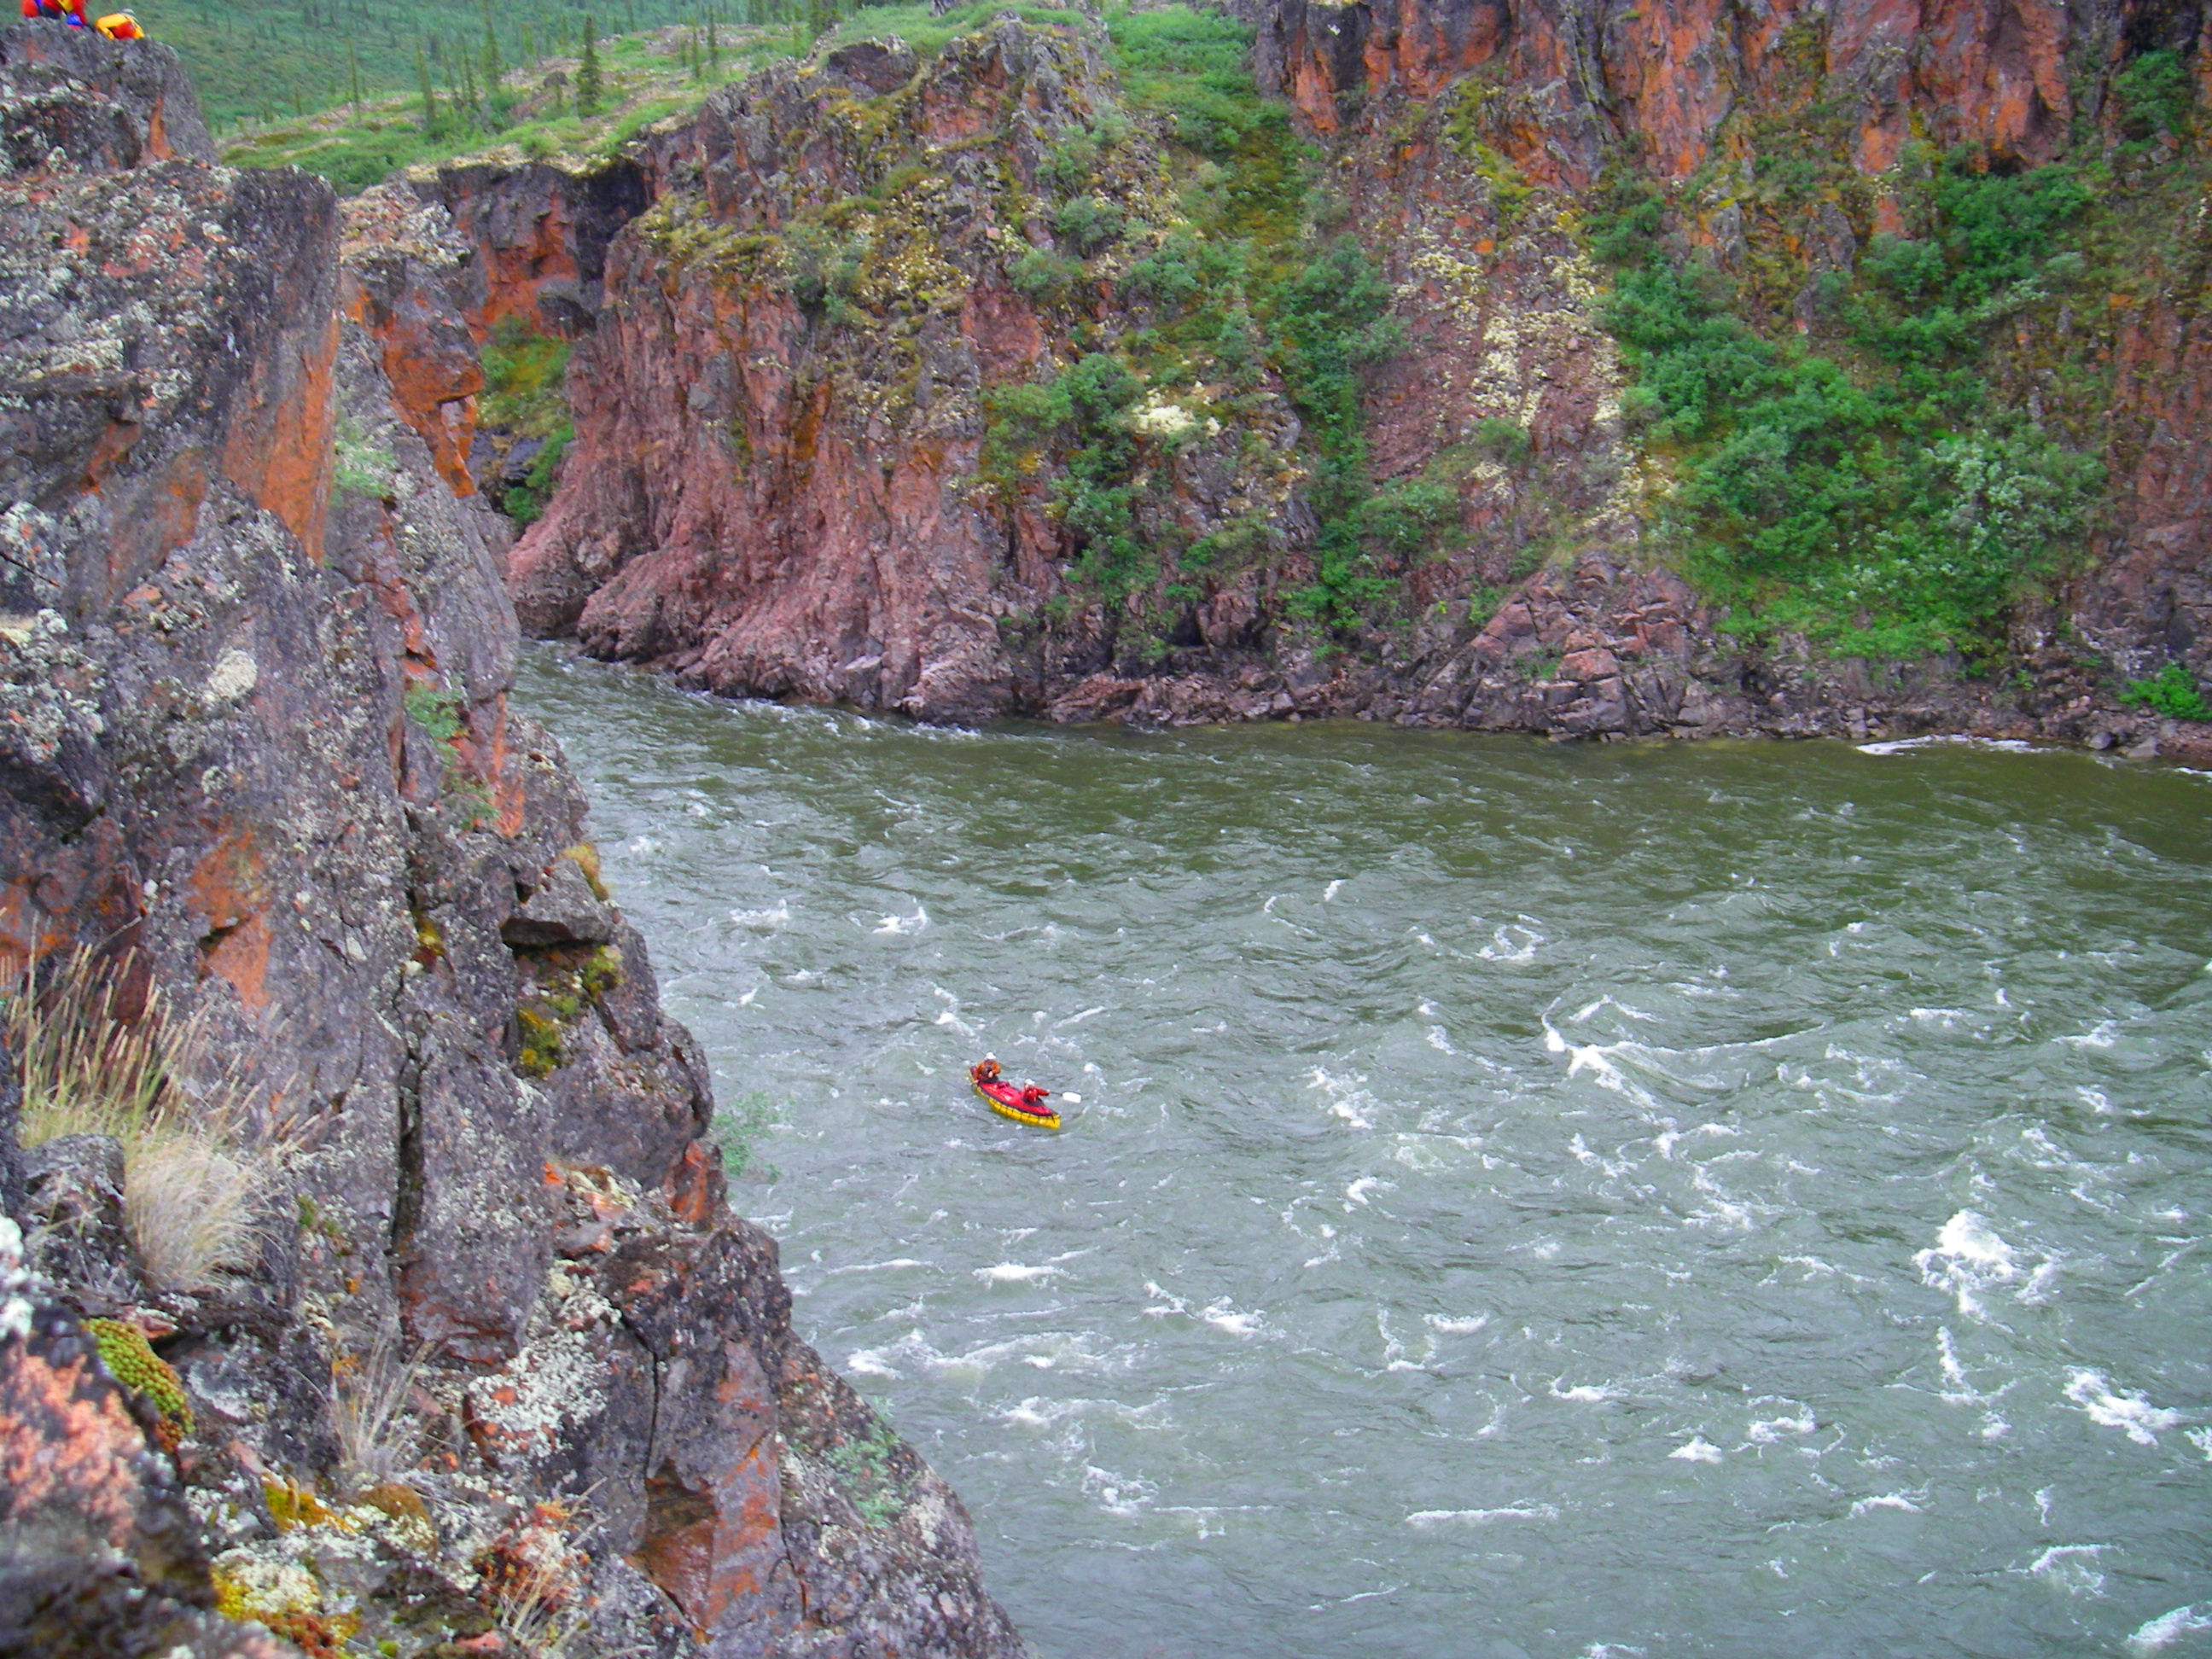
488,1364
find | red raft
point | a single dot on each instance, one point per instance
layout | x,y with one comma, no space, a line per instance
1026,1105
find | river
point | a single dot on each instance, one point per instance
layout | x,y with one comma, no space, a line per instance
1526,1200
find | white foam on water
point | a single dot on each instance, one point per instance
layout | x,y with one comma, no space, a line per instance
1970,1259
1503,949
2071,1567
1347,1098
1699,1450
1723,1210
1013,1272
2130,1412
2156,1635
1613,1650
1077,1019
1769,1430
1224,1317
1333,889
1957,1389
2105,1034
1426,1518
1036,1411
1888,1500
949,1016
1220,1313
901,927
1469,1326
768,921
1596,1059
1905,746
1580,1150
2200,1438
869,1362
894,1265
1586,1393
1439,1041
1356,1193
1118,1494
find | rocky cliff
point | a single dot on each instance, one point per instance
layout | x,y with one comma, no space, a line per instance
488,1364
828,444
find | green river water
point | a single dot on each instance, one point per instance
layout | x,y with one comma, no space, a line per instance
1535,1201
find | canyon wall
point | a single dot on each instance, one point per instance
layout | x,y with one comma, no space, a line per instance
784,481
498,1369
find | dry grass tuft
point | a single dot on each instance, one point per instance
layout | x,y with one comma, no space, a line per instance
187,1192
369,1391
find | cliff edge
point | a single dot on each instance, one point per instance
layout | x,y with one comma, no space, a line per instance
480,1361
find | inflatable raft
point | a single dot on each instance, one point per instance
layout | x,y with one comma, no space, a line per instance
1029,1105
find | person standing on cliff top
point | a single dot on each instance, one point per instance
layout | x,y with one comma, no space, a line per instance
60,11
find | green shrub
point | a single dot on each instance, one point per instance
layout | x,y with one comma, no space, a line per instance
434,709
525,502
1069,164
1044,277
822,267
2171,692
2153,94
1409,517
1503,439
739,1127
1088,224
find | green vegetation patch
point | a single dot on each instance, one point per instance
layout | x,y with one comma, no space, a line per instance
1871,488
1245,286
2171,692
132,1362
526,394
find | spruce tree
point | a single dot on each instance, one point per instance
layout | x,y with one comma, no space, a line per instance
494,100
713,48
353,76
492,68
591,87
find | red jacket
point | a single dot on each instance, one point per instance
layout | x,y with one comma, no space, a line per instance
68,11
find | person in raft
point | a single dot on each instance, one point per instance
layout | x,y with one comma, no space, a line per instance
115,25
986,1070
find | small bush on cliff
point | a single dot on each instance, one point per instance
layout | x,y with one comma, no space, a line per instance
2171,692
89,1066
1088,224
2153,94
740,1127
361,468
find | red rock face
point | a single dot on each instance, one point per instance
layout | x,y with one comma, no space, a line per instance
1992,73
405,281
537,239
768,506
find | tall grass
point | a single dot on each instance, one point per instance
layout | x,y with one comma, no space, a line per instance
369,1392
188,1194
